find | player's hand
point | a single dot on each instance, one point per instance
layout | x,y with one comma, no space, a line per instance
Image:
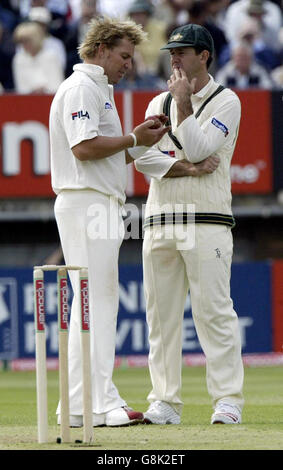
148,133
159,120
179,85
207,166
181,89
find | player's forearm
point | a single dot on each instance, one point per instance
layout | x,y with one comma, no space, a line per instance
181,168
154,163
186,168
184,110
101,147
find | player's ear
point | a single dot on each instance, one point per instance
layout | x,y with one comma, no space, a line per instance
101,50
204,56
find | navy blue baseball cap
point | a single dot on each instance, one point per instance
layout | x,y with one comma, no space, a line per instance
190,35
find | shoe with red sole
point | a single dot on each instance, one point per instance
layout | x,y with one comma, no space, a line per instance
123,416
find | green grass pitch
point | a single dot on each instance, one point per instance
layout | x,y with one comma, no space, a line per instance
262,427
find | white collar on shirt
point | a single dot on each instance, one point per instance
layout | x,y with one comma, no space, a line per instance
95,72
201,93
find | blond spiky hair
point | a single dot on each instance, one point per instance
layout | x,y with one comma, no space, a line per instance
104,30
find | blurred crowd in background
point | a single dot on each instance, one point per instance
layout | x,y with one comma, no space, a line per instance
39,40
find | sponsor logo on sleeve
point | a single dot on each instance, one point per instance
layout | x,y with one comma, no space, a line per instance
220,126
80,115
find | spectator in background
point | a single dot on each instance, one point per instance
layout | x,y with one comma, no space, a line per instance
75,10
251,32
42,16
166,11
277,76
199,14
277,73
147,54
217,11
7,51
113,8
172,11
9,17
59,10
242,71
146,81
11,5
77,31
266,12
59,7
56,7
35,69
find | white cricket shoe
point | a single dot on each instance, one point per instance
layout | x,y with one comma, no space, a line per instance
160,412
123,416
226,413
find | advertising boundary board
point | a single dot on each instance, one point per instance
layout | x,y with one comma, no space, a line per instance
24,140
256,289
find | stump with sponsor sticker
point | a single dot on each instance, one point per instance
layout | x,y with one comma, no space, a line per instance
40,352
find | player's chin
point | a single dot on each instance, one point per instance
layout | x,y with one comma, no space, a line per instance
115,79
119,76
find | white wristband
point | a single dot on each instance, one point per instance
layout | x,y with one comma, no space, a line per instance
135,139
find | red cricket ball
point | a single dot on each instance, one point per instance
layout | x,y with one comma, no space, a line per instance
157,122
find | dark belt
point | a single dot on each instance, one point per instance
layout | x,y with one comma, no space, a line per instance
186,218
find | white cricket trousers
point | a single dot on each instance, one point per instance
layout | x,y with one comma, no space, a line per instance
83,219
169,273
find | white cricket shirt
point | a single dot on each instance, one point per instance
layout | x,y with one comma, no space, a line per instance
215,133
82,109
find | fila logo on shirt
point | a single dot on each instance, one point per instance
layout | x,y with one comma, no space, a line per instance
80,115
